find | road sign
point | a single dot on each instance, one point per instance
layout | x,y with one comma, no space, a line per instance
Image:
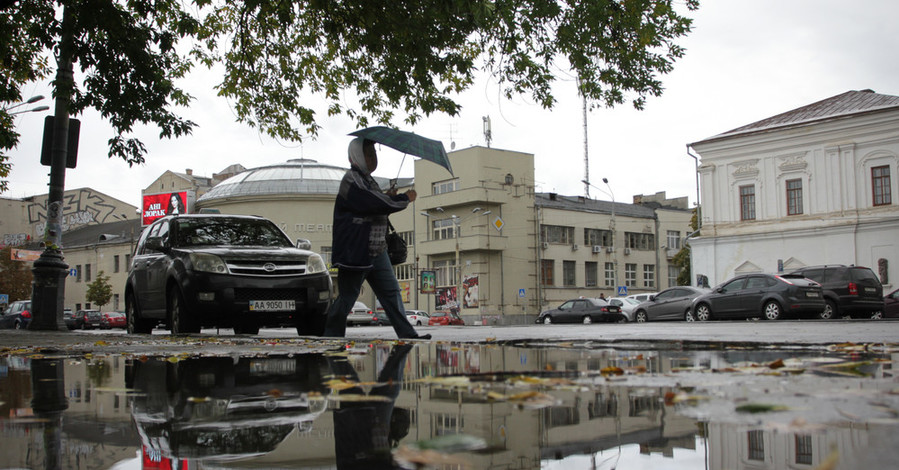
4,298
622,291
521,293
73,272
498,224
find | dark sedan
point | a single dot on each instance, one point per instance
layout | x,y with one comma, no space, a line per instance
584,311
760,295
891,305
674,303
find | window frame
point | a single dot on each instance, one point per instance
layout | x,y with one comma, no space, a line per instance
546,272
794,196
881,186
569,273
630,274
747,202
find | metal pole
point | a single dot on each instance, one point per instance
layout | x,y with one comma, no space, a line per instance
612,228
48,286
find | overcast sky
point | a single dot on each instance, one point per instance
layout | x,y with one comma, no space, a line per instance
746,60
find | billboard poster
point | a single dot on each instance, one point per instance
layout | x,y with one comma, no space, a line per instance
446,298
470,292
428,282
406,291
158,205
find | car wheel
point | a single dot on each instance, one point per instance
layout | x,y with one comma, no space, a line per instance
640,316
179,319
18,325
772,310
688,316
830,310
702,313
547,320
587,320
878,315
134,324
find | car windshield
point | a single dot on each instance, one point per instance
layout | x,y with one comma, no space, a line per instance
229,232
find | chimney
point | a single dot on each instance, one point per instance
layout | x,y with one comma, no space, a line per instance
189,172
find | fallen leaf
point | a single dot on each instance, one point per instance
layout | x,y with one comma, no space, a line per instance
753,408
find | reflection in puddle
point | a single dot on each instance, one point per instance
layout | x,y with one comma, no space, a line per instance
454,406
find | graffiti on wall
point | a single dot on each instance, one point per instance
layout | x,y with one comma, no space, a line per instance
79,207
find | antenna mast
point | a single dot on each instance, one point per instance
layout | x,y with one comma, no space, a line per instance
586,153
488,134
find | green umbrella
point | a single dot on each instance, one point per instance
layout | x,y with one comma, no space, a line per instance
408,143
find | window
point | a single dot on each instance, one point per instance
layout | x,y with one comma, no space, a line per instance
408,237
880,181
591,273
445,423
444,229
546,271
593,237
673,240
115,302
87,273
649,275
404,272
446,273
747,202
78,273
127,262
640,241
610,275
673,273
630,274
794,197
568,277
325,253
447,186
115,263
756,445
557,234
803,449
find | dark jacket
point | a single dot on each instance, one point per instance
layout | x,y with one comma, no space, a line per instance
360,210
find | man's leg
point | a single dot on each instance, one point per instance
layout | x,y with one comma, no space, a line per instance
349,282
387,289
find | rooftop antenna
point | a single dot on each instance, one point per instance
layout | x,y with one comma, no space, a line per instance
488,134
586,152
452,141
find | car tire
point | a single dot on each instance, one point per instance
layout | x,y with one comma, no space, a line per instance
547,320
688,316
134,324
18,325
587,320
179,320
702,313
878,315
772,310
830,310
640,316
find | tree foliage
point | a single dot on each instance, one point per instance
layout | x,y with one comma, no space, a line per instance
370,60
99,291
15,276
682,258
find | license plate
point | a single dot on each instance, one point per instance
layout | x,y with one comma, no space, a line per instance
870,290
811,294
272,305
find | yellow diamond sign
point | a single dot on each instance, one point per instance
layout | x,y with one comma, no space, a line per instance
498,223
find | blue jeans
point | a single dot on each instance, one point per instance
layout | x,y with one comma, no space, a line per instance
386,288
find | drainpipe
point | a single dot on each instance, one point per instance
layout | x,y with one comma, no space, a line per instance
698,213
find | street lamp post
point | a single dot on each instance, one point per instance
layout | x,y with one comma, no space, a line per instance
611,229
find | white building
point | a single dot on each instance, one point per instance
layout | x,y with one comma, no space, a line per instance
810,186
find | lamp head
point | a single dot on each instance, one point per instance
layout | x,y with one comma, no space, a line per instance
605,180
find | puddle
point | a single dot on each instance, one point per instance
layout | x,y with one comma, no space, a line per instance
441,405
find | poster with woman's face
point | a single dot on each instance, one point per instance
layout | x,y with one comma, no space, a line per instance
161,205
470,292
428,282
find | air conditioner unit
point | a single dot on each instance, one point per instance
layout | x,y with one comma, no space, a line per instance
597,248
574,247
545,245
610,249
627,251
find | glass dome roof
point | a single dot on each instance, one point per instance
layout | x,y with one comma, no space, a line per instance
298,176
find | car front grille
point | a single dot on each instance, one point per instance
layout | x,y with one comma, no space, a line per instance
264,268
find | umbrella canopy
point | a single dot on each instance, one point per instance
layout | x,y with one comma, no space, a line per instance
408,143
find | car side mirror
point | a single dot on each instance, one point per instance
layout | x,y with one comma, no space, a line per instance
720,290
155,244
652,298
304,244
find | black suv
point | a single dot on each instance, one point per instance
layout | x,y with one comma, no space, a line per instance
849,291
211,270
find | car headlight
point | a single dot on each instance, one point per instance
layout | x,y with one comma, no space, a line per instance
315,264
208,263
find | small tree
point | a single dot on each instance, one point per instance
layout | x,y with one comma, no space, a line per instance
682,258
99,292
15,276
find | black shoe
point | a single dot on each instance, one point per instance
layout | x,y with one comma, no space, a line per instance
419,337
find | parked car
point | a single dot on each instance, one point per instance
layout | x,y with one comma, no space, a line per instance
584,310
87,319
445,317
891,305
849,291
674,303
626,305
361,315
641,297
68,316
381,318
760,295
110,320
417,317
17,315
213,270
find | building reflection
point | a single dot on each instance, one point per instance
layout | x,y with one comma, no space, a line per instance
262,412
